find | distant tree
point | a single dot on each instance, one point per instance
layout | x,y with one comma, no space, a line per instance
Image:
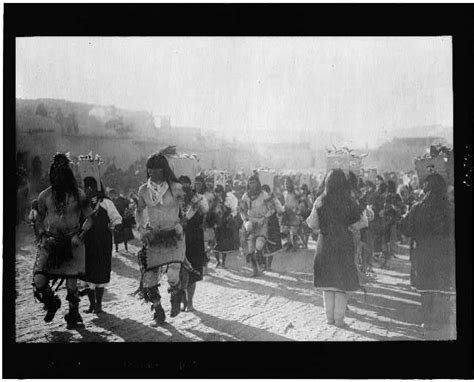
36,167
71,125
75,124
60,119
38,181
42,110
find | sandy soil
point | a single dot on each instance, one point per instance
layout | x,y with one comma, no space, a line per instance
281,305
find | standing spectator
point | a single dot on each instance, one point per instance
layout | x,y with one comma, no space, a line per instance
334,267
368,234
290,219
98,244
391,215
224,227
377,225
22,194
359,231
304,209
233,201
274,234
209,218
123,233
431,223
193,210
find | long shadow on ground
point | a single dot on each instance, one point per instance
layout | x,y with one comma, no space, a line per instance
134,331
236,329
124,270
283,289
382,305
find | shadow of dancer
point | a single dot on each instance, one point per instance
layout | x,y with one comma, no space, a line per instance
238,330
134,331
124,270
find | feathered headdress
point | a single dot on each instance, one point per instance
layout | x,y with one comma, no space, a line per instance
168,151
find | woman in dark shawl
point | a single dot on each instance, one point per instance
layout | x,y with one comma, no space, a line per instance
335,271
98,243
430,223
193,211
391,216
274,233
224,227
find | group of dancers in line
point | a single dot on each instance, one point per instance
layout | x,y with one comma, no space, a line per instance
74,229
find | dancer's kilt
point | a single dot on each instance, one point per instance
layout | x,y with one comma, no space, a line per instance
166,247
57,258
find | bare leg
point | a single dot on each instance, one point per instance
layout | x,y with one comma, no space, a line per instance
329,305
340,305
175,288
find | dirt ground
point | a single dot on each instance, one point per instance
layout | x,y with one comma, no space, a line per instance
281,305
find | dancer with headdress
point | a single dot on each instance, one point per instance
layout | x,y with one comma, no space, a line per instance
162,235
255,210
61,252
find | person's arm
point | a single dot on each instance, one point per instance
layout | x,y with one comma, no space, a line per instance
139,213
355,214
87,212
278,207
203,205
178,191
31,216
42,211
232,203
112,212
362,223
269,206
313,219
407,223
244,208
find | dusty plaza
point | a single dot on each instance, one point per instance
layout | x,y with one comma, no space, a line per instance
208,205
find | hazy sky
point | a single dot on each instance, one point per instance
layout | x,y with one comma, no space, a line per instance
281,88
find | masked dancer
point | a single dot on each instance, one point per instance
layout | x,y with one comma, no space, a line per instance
61,252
